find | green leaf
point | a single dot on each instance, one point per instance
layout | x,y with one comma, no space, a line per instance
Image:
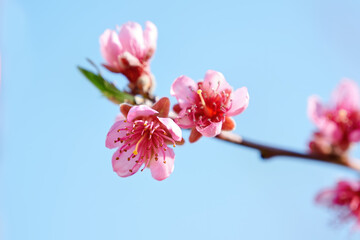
107,88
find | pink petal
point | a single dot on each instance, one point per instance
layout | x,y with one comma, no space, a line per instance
347,95
119,117
240,101
127,59
355,136
114,133
172,127
325,196
140,111
150,38
132,39
164,166
215,81
183,120
184,89
211,130
315,110
124,167
330,129
110,47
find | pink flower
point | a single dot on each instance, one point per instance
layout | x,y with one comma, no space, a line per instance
129,51
206,106
345,197
142,137
339,122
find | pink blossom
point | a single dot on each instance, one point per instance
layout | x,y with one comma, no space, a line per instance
338,122
345,198
206,106
142,137
129,51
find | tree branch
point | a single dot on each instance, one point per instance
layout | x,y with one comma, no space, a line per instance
268,152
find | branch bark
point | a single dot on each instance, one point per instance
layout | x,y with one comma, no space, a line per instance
268,152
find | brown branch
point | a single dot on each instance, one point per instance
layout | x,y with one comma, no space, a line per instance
267,151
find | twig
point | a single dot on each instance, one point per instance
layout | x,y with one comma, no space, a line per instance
267,151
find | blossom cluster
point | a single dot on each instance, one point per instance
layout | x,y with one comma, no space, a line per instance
144,134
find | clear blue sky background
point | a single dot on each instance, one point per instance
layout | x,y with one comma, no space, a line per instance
56,176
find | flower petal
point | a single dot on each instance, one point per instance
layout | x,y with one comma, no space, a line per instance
215,81
150,38
355,136
120,117
110,47
315,110
116,131
140,111
184,89
239,101
132,39
172,127
164,166
126,60
213,129
347,95
122,165
183,120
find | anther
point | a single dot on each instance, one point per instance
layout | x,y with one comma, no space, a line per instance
201,97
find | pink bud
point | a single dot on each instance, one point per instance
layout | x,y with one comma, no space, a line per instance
129,52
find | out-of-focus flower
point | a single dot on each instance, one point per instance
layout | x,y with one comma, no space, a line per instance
345,198
339,122
129,52
206,106
141,137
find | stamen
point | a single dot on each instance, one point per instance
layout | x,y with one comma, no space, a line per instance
201,97
135,152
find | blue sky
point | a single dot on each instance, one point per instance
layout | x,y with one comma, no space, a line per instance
56,177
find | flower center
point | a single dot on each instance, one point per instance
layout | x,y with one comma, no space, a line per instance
148,139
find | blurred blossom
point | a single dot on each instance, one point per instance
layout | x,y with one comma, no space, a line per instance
141,136
129,52
338,123
206,106
344,198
